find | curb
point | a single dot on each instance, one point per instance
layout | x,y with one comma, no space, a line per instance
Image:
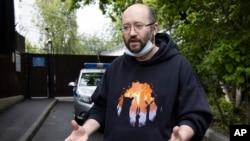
6,102
37,124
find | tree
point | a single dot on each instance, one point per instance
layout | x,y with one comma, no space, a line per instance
58,25
30,48
60,30
214,35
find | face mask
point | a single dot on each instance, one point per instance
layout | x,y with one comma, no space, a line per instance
149,46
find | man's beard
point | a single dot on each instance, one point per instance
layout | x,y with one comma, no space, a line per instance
136,50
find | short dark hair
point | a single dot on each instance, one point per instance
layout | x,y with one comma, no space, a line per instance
152,16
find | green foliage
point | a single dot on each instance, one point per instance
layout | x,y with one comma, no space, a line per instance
215,41
232,115
94,44
30,48
58,25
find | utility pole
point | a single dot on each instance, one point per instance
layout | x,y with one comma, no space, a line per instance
51,66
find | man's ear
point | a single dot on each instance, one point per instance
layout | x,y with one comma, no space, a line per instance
156,28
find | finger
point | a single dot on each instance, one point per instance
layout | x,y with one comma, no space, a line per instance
176,131
174,134
67,139
74,125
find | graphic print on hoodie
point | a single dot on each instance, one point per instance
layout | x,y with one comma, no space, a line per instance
138,103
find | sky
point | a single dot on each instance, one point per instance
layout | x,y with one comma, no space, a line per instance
90,20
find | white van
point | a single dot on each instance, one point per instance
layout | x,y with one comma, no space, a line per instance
84,87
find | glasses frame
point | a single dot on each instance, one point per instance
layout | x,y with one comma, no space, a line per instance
144,25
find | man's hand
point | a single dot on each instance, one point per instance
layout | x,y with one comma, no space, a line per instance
82,133
182,133
78,133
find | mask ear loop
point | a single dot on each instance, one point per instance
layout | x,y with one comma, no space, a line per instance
148,47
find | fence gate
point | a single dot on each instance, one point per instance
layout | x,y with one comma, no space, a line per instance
38,76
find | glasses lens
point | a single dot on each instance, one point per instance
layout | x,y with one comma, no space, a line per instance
126,28
138,26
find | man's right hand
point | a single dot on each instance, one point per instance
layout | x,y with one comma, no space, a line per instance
78,133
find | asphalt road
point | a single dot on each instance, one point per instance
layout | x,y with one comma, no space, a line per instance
57,125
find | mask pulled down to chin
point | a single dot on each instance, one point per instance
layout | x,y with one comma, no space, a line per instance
148,47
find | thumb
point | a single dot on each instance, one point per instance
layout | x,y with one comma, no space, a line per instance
74,125
176,131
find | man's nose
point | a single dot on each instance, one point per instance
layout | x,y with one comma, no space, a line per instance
133,31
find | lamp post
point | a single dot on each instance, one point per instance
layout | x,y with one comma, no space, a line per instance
51,66
49,46
48,42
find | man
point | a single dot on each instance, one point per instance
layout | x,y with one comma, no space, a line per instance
150,93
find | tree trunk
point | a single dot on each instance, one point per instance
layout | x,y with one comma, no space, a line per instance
238,97
248,108
225,91
218,105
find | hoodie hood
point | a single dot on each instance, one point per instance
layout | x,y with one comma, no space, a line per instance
167,49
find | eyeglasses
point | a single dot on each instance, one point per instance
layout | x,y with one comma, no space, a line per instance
137,27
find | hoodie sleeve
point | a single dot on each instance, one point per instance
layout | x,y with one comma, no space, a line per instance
194,109
98,110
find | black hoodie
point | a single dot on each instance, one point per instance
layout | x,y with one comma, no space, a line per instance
143,101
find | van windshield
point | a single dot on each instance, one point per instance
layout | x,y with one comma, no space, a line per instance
90,79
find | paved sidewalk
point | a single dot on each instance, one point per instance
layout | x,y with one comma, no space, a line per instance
20,121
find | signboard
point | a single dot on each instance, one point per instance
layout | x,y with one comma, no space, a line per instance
18,62
38,61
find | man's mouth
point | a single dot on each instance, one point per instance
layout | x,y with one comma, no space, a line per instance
134,43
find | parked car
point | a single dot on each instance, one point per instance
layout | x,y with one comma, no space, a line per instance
84,87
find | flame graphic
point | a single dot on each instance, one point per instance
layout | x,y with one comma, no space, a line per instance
142,104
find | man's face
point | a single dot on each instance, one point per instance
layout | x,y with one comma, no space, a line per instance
135,33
